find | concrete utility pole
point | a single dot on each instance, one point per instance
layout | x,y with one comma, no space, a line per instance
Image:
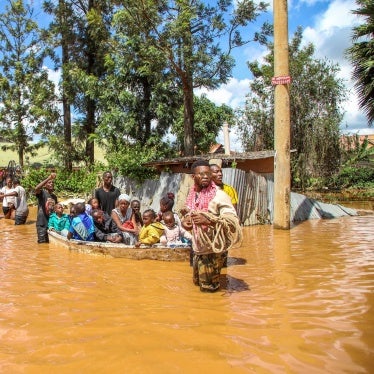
281,80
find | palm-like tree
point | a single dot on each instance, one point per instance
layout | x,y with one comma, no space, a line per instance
361,54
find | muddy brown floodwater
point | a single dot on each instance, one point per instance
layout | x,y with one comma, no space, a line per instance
298,301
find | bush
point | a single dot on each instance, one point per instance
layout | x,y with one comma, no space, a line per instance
353,177
80,182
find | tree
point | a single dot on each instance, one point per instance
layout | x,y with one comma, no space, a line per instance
316,95
138,100
208,121
189,33
61,30
361,54
28,103
86,25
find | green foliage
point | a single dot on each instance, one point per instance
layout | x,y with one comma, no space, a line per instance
361,54
353,177
357,170
209,119
28,103
177,40
316,95
78,182
128,159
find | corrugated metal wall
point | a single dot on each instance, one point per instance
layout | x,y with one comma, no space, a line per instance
255,192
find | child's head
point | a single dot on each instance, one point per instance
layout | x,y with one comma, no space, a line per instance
59,209
148,217
169,219
94,203
167,202
80,208
73,211
135,206
50,205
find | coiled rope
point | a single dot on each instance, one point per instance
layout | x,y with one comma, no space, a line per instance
225,233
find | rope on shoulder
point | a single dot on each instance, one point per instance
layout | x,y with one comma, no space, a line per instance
226,232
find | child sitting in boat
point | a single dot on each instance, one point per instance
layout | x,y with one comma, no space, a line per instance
173,234
166,205
135,206
82,226
91,205
151,231
59,221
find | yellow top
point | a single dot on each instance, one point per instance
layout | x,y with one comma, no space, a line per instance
151,234
231,192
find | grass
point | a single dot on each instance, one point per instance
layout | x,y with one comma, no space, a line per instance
44,156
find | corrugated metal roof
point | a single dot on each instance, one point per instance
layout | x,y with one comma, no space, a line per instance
190,159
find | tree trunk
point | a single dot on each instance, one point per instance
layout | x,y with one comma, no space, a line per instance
188,119
90,129
65,101
91,106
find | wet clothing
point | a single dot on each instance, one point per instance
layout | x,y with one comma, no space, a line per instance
151,234
43,215
82,227
206,263
207,270
22,209
107,199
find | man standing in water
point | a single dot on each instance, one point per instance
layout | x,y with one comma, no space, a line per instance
107,195
217,179
215,227
21,207
46,199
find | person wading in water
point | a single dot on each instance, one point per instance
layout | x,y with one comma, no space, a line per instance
215,227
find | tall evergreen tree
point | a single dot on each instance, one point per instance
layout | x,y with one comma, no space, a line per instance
62,35
316,95
28,103
361,54
87,25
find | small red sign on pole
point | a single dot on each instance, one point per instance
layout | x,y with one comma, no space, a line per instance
281,80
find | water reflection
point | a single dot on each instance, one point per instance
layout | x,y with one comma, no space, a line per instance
292,301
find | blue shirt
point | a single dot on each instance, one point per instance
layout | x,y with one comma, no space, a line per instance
82,227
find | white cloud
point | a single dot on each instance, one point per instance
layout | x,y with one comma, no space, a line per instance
54,76
232,94
331,35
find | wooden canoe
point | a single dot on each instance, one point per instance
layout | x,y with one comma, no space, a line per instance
155,252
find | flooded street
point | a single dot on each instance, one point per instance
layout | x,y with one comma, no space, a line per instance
297,301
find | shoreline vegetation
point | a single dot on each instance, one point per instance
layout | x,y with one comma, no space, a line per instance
332,196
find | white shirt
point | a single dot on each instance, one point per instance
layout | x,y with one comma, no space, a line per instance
8,199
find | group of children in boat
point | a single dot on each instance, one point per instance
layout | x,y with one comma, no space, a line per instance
110,216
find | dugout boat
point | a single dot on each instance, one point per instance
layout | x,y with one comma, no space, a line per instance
155,252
